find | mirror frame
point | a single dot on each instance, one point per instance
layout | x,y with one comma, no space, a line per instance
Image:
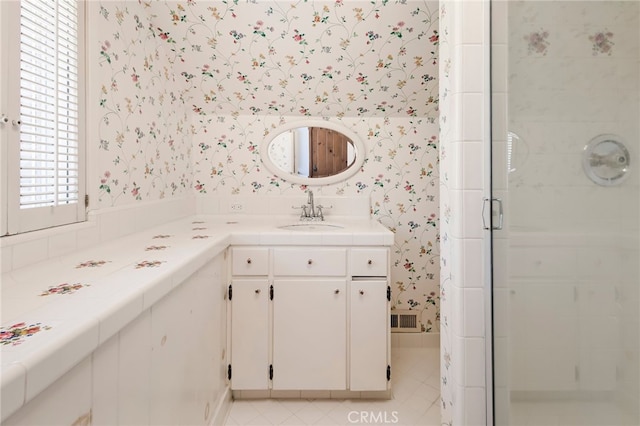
358,145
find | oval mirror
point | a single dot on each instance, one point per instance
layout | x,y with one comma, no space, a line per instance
313,153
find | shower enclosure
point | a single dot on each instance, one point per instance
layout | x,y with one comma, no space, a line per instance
566,169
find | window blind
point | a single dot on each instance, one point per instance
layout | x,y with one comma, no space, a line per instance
49,103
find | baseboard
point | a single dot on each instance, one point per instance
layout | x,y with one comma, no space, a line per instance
310,394
223,407
415,340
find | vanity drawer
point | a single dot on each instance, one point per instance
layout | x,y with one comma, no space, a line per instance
250,261
300,261
369,262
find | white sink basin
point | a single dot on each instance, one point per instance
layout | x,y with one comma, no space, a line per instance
311,226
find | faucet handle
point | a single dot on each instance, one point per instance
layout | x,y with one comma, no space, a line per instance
304,213
319,211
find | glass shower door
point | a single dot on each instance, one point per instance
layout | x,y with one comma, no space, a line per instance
566,163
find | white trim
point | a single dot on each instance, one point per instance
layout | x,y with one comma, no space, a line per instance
5,12
15,219
223,408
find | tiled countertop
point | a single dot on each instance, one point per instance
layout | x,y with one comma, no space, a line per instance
55,313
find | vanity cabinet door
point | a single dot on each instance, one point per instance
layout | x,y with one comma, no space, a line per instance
250,334
369,336
309,334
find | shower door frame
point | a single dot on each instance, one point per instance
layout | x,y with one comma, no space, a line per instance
489,195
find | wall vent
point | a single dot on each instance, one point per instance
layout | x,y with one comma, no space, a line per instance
405,321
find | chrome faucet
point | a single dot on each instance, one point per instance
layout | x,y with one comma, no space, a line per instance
310,203
310,211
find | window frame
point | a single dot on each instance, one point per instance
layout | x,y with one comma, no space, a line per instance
13,219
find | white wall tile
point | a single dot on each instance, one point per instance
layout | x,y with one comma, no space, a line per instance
473,258
472,29
62,244
472,68
458,312
474,362
474,312
455,120
472,117
30,252
110,225
456,222
472,214
473,168
6,259
207,205
458,357
87,237
475,407
455,161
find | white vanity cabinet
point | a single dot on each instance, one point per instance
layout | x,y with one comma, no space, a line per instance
315,318
309,318
249,318
368,327
369,336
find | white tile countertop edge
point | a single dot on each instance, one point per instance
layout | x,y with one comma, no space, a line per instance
94,293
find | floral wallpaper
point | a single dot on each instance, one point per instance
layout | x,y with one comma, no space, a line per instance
212,79
141,134
310,58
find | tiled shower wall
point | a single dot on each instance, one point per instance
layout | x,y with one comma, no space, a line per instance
463,95
573,75
574,70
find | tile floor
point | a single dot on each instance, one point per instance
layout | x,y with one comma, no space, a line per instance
416,399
